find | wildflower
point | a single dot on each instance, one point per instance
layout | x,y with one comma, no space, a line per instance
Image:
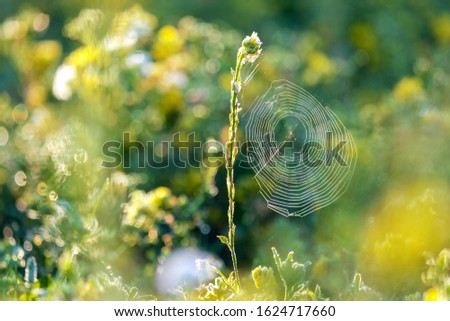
432,295
409,89
168,42
251,47
249,51
319,68
84,56
441,29
45,53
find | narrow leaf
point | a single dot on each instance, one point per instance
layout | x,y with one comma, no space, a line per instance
223,239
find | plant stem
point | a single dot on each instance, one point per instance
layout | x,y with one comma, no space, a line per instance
248,52
230,158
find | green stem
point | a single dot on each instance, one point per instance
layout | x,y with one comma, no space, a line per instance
230,158
248,52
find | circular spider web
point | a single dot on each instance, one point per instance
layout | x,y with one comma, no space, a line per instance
302,154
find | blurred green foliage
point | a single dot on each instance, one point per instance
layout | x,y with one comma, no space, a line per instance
74,75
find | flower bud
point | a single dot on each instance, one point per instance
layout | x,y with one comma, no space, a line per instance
251,47
252,44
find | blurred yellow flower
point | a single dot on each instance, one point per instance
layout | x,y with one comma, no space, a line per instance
432,295
144,209
168,42
83,56
171,103
159,194
410,219
44,53
36,94
319,67
441,28
90,79
437,276
409,89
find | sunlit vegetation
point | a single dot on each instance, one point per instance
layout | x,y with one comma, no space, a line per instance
77,75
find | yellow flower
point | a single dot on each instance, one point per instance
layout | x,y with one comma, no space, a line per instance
431,295
158,195
168,42
45,53
407,222
441,29
320,67
84,56
409,89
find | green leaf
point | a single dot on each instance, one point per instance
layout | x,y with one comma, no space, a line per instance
223,239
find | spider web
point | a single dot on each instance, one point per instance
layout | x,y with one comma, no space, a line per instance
294,141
